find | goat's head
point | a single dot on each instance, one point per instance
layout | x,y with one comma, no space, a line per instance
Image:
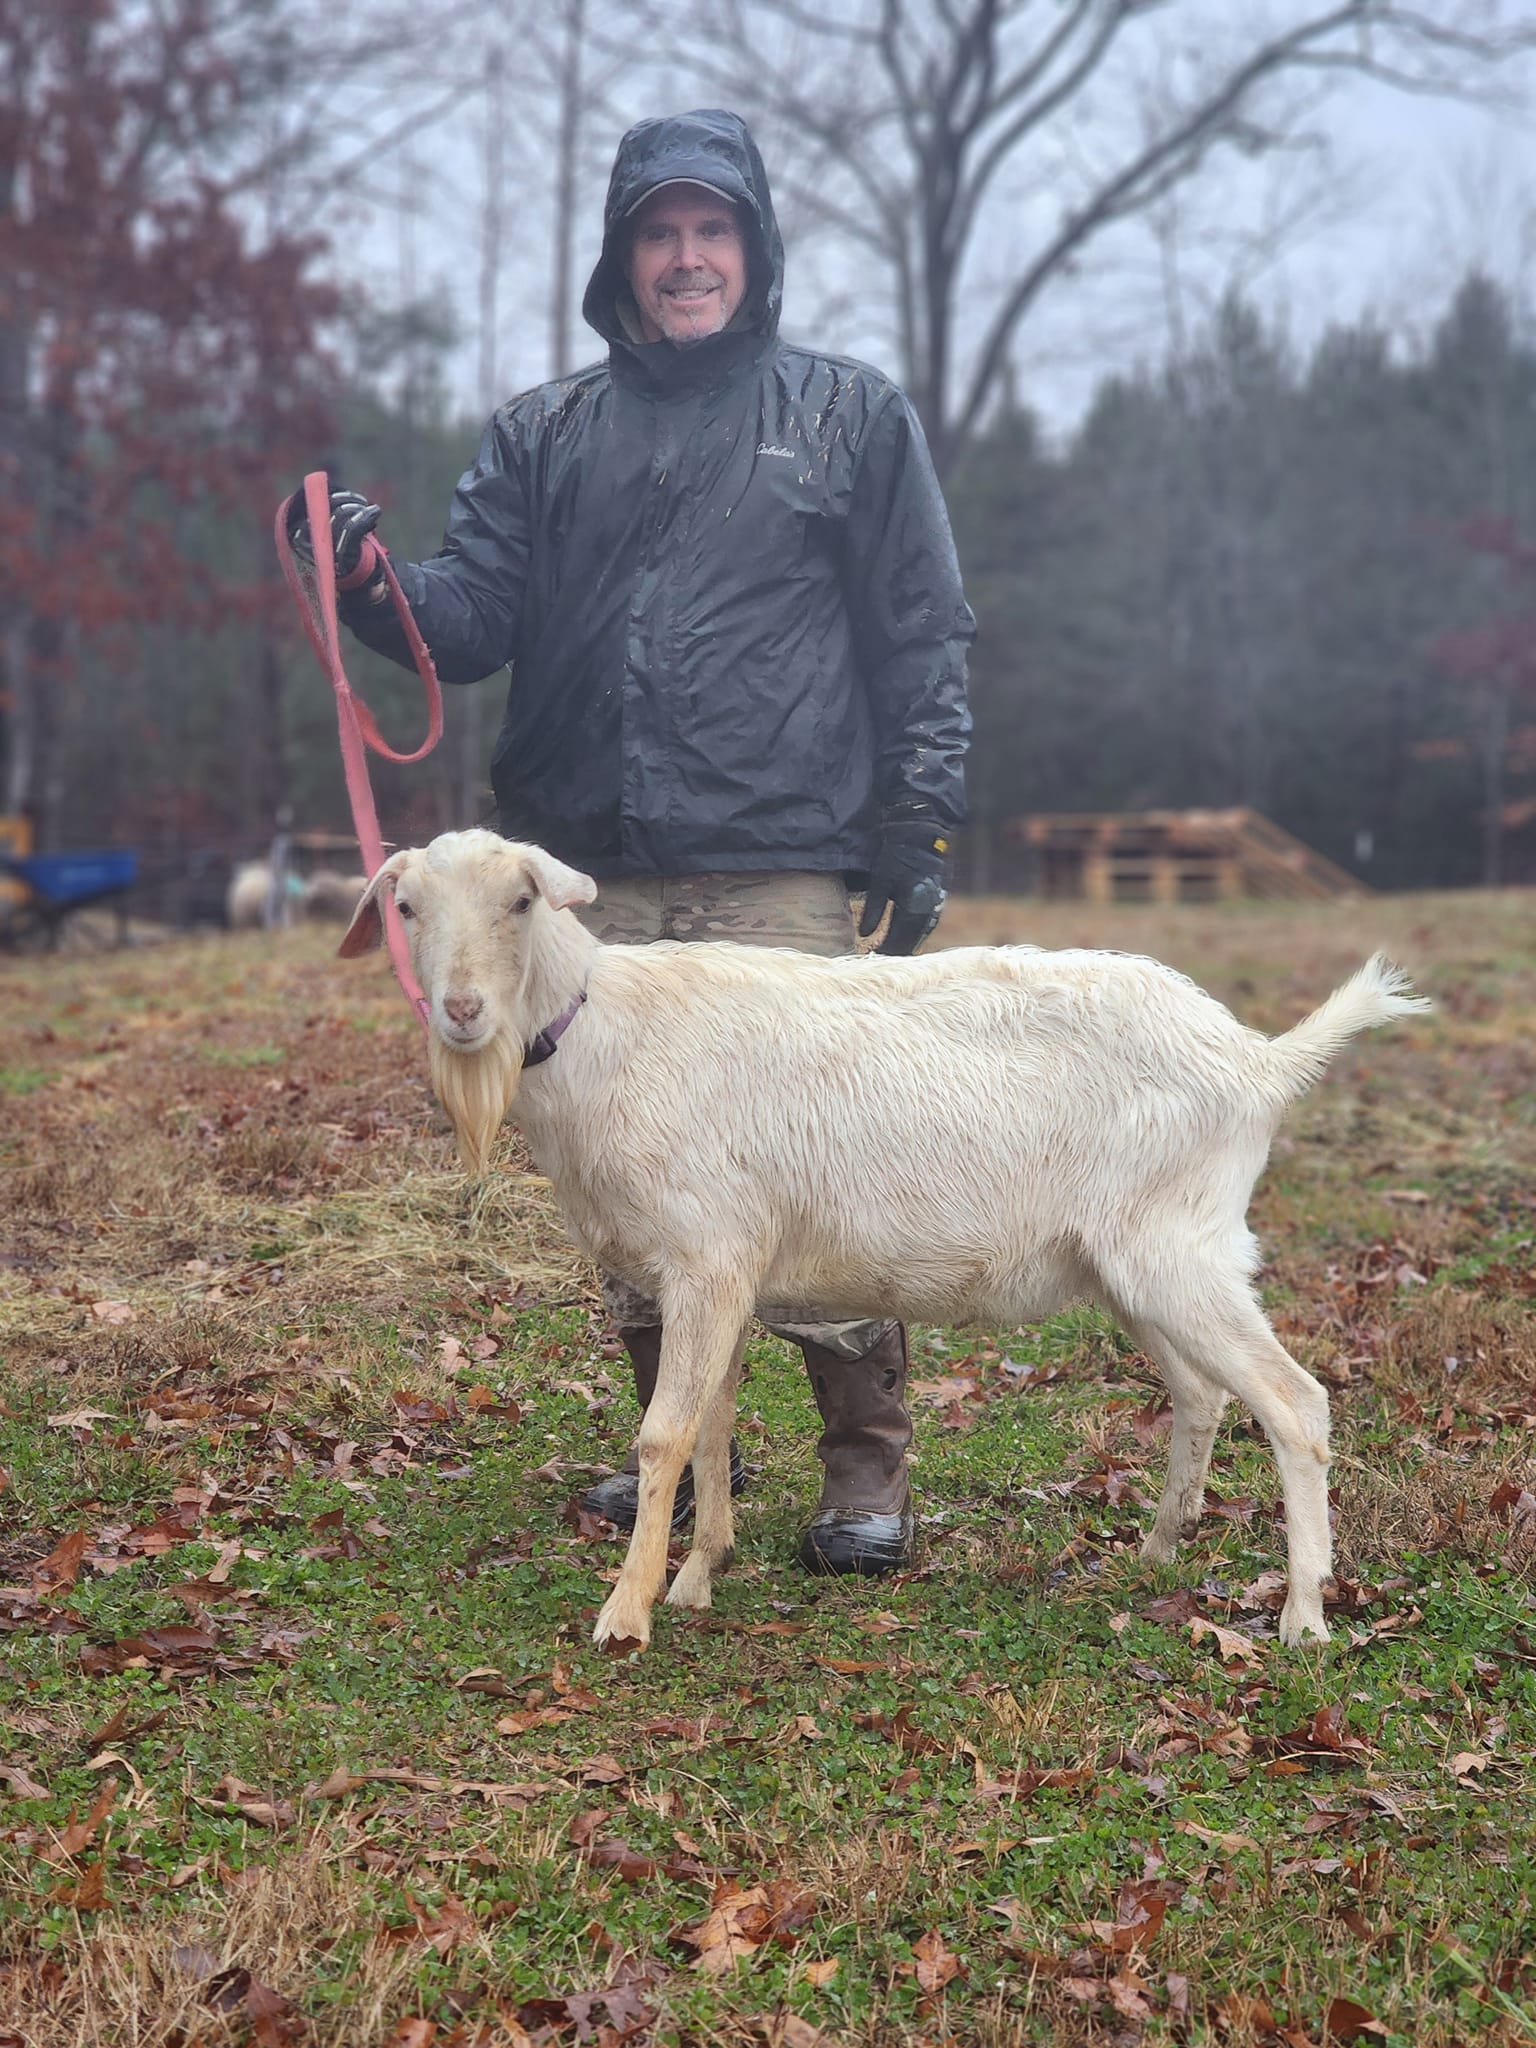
477,911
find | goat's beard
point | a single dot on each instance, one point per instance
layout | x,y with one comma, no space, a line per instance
476,1090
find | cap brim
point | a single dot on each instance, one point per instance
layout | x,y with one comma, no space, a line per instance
670,184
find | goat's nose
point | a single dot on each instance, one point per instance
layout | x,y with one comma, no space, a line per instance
464,1009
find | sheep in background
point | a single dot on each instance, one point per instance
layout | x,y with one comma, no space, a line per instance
331,896
245,901
1058,1127
248,903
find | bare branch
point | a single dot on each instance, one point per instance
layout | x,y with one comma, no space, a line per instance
1039,111
1440,88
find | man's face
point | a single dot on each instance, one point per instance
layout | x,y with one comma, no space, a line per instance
687,264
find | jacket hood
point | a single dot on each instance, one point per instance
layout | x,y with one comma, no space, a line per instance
706,147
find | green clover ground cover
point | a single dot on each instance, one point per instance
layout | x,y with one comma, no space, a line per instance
304,1739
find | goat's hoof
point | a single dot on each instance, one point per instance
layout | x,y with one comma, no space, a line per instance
1299,1623
691,1587
1158,1548
622,1625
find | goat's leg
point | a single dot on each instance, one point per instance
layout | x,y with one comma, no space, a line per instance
1197,1405
714,1529
1216,1325
699,1331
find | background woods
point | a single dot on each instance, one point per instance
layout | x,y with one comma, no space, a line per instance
1268,562
159,372
1295,583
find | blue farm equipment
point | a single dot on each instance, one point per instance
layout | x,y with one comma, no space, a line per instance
53,886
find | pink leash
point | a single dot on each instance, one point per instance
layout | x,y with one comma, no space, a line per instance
314,591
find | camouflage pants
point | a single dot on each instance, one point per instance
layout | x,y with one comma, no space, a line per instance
806,911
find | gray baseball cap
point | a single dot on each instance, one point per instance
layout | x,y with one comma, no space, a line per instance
667,185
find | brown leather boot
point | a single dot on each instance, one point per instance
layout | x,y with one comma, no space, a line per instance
617,1498
864,1523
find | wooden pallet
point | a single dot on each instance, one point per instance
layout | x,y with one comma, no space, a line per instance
1200,856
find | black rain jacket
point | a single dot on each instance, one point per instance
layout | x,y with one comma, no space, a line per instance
723,577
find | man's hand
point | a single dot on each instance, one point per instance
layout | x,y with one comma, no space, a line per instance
908,875
352,522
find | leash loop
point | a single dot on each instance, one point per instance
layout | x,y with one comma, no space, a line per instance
314,592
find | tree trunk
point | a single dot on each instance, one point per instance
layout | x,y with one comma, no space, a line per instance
567,142
492,227
1495,744
271,753
18,727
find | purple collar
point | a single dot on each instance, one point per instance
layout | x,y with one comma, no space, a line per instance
539,1049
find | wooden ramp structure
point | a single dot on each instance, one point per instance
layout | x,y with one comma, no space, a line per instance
1175,857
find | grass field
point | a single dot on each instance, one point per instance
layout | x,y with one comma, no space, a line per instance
304,1740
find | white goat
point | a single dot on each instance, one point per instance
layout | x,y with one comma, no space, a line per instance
1047,1128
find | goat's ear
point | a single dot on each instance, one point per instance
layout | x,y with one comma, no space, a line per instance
559,885
367,927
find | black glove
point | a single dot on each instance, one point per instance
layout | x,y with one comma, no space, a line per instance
908,874
352,521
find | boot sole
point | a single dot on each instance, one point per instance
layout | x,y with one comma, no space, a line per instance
848,1549
622,1513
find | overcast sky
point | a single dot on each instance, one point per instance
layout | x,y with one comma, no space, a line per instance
1409,193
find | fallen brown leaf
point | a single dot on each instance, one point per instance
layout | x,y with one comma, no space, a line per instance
493,1791
601,1770
530,1717
276,2021
1229,1844
741,1921
56,1572
674,1724
935,1965
487,1679
1139,1913
1325,1740
883,1623
257,1807
788,2030
1231,1644
78,1835
88,1893
1347,2021
1025,1784
411,2033
1465,1765
178,1650
122,1728
900,1729
80,1418
442,1928
22,1785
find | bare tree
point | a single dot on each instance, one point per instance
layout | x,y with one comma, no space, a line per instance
585,53
547,82
925,132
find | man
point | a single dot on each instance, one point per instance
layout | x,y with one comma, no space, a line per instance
722,573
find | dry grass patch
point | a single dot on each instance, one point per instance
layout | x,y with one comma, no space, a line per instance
233,1966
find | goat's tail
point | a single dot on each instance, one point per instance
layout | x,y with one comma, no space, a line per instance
1377,994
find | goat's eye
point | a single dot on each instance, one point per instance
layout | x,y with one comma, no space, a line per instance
522,904
404,909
